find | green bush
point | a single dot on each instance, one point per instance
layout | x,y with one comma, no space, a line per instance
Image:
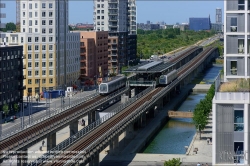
173,162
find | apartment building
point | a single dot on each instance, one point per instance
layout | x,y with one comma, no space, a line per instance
52,52
112,16
2,15
11,77
231,103
94,54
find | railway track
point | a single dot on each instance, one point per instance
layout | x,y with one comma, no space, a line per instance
91,137
175,59
13,141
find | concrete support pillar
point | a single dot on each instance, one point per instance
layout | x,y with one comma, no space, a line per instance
95,161
136,91
91,117
73,128
22,157
114,146
51,141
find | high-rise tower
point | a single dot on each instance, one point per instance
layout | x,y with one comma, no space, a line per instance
218,16
2,15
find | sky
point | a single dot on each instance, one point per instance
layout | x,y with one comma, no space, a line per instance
171,12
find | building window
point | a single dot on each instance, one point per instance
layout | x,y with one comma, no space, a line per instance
50,55
44,56
29,64
102,11
36,81
36,56
50,39
36,64
44,72
43,22
50,47
43,30
36,30
50,22
43,39
241,46
29,56
43,5
23,29
36,5
29,47
30,22
30,30
50,64
50,5
23,5
23,14
30,14
43,14
29,73
238,120
36,73
50,30
23,22
241,4
50,14
30,6
43,81
36,22
43,47
29,81
233,67
43,64
35,14
21,39
36,47
36,39
239,152
29,39
51,80
50,72
233,26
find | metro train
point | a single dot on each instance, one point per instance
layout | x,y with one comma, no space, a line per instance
112,85
167,79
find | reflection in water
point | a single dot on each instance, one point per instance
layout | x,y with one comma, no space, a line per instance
178,133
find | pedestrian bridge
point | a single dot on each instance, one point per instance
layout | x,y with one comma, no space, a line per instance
179,114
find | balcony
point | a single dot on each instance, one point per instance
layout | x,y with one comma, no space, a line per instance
113,48
113,60
114,25
113,55
112,1
24,66
113,13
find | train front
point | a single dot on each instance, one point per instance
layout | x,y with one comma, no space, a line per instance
103,88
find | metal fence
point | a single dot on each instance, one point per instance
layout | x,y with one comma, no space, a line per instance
71,140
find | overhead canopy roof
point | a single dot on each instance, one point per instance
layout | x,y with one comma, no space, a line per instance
150,67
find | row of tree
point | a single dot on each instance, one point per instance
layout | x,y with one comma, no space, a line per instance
6,109
202,110
9,27
158,42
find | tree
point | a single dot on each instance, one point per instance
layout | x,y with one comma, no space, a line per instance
6,110
70,28
200,120
10,26
173,162
15,107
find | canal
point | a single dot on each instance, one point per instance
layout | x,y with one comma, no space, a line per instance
178,133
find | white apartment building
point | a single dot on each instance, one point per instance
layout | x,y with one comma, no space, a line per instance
132,17
231,104
52,52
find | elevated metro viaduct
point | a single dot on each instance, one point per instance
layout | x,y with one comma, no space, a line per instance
90,152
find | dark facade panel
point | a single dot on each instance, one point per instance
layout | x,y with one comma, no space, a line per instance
11,77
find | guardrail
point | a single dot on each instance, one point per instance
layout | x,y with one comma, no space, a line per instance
17,128
68,142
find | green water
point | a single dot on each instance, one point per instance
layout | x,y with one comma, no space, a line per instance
177,133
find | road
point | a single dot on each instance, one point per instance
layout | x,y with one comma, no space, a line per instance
42,109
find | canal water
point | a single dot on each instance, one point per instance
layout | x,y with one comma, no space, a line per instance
178,133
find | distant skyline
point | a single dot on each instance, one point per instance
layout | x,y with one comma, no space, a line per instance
155,11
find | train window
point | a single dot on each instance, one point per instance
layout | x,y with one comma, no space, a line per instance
103,87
